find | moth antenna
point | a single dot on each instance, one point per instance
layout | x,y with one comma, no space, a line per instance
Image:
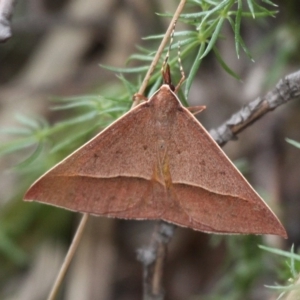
169,48
166,69
166,74
181,71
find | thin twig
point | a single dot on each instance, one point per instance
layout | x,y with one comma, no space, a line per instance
285,90
160,49
69,257
6,11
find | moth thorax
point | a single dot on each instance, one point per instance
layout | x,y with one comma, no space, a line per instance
165,102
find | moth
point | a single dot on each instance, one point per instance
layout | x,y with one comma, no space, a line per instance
158,162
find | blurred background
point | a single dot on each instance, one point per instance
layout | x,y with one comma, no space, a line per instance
55,52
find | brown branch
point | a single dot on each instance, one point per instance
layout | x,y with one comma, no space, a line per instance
153,260
153,256
285,90
6,11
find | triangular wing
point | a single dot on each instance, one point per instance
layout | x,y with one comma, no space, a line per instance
211,195
114,174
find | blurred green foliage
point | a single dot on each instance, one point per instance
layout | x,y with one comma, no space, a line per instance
37,145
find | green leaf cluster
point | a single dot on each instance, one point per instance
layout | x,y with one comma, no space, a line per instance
35,136
92,113
291,271
206,29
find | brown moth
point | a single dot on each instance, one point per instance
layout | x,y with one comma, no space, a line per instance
158,162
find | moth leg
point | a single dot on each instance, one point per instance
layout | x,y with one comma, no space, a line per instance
195,110
138,98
